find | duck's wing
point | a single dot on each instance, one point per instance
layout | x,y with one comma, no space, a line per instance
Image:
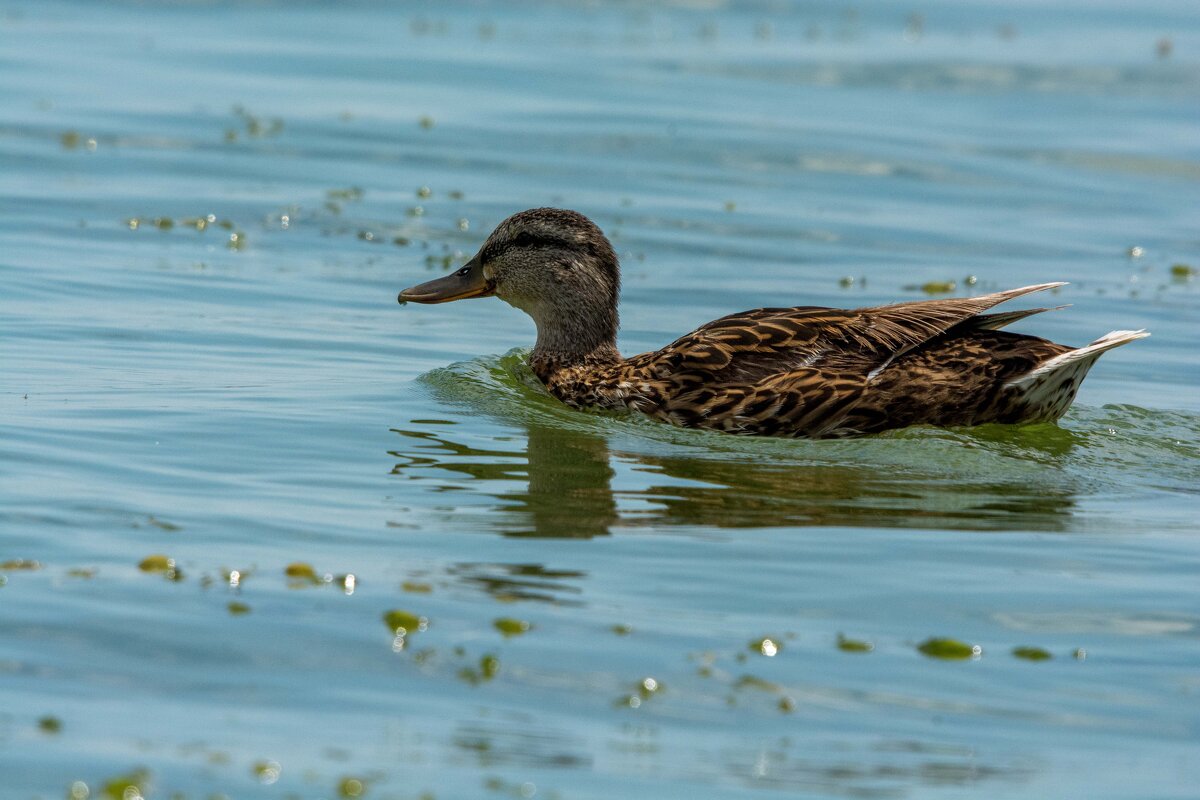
802,402
753,346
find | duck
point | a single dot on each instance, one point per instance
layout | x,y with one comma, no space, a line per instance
802,371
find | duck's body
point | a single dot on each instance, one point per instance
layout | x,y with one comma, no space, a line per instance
804,371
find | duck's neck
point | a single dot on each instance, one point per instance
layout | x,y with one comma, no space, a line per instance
573,339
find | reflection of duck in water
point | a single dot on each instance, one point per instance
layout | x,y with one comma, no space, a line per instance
565,487
777,371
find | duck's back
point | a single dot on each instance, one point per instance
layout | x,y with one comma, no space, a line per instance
819,372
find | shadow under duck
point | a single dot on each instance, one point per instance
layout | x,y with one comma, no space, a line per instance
803,372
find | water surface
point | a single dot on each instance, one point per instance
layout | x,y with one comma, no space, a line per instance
206,211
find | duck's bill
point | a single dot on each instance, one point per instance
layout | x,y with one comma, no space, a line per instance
466,282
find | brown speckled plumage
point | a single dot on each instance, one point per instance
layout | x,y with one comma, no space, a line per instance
804,371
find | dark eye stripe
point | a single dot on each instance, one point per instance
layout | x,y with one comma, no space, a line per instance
522,240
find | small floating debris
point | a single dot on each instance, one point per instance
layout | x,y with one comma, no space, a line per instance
161,564
848,645
646,688
755,682
511,627
402,622
846,281
424,192
935,287
1079,654
416,587
351,787
298,569
237,609
351,194
1032,653
23,564
949,649
1135,251
730,206
426,122
266,771
767,646
124,787
50,724
237,241
621,629
1183,272
489,667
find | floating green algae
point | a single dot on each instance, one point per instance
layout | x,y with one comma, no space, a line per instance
126,787
162,565
949,649
266,771
162,524
645,689
755,682
20,564
237,608
853,645
402,622
767,646
351,194
156,563
488,668
351,787
938,287
511,627
416,587
1032,653
1183,271
50,724
621,629
299,569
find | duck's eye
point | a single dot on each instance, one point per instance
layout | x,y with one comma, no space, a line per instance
524,239
463,272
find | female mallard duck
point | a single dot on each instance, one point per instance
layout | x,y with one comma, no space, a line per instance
803,371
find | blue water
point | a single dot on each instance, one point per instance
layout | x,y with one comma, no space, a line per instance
206,211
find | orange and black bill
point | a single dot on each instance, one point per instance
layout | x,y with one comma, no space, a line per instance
466,282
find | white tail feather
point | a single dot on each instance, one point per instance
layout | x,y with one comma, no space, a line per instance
1083,356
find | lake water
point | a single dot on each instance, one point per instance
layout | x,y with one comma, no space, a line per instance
206,212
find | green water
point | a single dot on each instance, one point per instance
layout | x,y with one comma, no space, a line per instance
264,533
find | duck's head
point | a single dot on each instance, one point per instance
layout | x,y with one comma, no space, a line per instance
554,265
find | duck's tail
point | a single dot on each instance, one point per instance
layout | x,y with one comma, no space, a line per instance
1049,388
1082,357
